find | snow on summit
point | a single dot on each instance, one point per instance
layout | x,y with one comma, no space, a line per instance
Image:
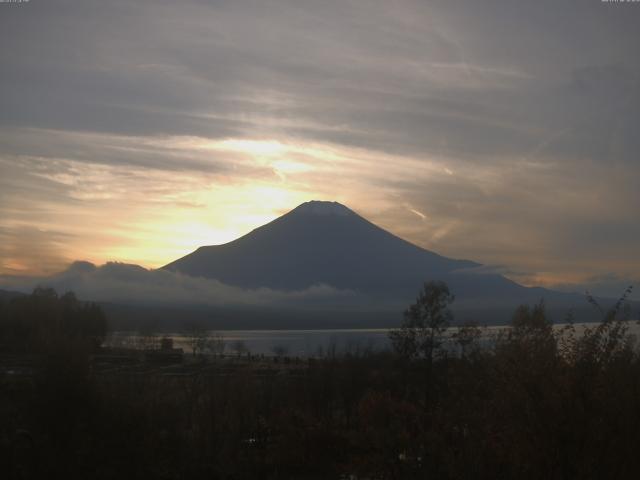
317,207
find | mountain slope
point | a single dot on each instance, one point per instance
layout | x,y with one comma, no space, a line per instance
6,295
325,242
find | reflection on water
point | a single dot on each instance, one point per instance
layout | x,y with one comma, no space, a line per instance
302,343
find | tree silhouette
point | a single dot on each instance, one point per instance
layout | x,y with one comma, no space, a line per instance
424,322
34,322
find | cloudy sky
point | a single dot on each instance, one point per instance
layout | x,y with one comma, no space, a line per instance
499,131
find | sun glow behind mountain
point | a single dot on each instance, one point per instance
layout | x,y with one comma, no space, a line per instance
149,217
222,208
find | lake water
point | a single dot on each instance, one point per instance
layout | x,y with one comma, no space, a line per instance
302,343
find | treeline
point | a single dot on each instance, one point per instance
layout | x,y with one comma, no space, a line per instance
538,403
32,323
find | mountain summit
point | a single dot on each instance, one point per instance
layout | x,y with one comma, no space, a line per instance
318,207
327,243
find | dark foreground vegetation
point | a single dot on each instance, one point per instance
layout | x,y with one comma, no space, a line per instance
536,404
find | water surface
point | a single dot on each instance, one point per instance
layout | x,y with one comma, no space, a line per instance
302,343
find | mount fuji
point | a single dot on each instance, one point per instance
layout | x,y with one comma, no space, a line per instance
327,243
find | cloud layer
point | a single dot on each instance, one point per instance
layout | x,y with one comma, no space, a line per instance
126,283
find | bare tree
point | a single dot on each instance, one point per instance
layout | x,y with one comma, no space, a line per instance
280,350
424,323
215,343
467,338
197,338
240,347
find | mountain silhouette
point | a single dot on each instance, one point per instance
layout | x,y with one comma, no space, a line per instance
327,243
